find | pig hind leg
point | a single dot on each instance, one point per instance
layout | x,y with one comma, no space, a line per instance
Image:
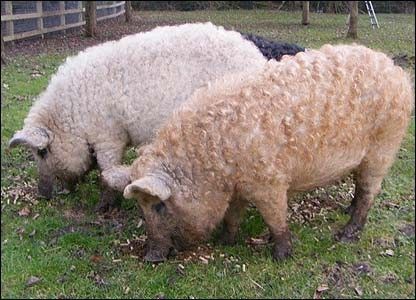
232,220
107,157
368,179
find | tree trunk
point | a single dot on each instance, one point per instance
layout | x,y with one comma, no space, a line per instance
3,54
128,12
305,14
91,18
352,30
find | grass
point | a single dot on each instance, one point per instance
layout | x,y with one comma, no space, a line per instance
77,253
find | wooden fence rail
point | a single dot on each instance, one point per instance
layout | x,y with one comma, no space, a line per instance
8,19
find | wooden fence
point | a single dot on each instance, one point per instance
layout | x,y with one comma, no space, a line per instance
41,19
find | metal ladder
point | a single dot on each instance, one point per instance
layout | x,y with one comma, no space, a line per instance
371,14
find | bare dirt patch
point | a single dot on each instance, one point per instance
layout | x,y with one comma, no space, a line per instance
305,207
136,248
342,278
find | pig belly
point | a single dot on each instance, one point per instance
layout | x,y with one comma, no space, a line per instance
325,171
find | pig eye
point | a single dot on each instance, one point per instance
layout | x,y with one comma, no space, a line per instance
159,207
42,152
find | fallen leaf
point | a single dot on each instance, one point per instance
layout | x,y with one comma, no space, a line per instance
362,268
322,287
24,212
389,278
140,223
203,260
256,284
20,232
254,241
79,253
319,290
62,279
389,252
98,280
32,281
180,269
408,230
389,204
359,291
126,290
96,258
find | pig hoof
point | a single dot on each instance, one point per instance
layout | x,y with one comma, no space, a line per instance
154,257
173,252
281,252
349,210
45,194
227,238
102,207
348,234
106,206
46,197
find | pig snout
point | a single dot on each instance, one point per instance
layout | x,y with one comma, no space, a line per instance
45,186
159,251
154,255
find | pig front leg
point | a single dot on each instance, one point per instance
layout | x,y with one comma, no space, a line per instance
232,220
109,198
107,158
272,205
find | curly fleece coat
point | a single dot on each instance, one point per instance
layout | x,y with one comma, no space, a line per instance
119,93
299,124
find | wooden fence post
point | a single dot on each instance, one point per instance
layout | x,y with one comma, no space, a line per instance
8,7
305,12
79,6
128,9
91,18
3,53
39,10
62,11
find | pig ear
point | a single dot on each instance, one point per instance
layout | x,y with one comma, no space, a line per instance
117,177
149,185
35,137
